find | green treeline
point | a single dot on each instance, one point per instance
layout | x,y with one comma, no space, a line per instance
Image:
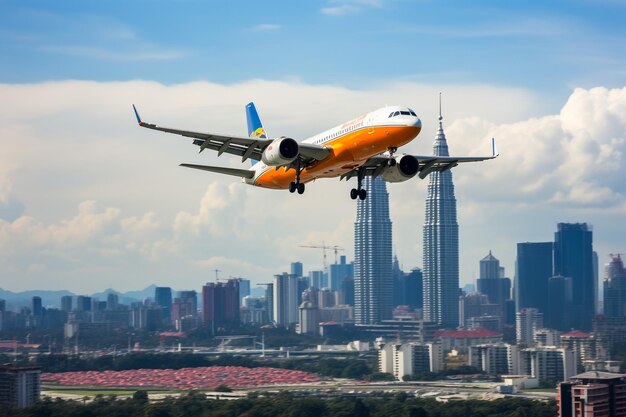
284,405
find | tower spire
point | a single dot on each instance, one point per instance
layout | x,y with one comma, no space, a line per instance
440,116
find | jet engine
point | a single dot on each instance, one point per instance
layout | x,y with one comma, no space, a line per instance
281,151
404,168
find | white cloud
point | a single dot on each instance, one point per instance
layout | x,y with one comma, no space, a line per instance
106,203
265,27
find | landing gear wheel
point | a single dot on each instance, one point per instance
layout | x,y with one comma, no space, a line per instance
300,188
362,194
293,187
354,193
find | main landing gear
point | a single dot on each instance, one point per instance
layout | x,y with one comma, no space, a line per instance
358,191
297,185
392,161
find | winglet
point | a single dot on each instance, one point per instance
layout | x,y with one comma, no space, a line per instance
494,148
137,114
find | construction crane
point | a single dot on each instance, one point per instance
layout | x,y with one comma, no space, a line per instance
323,247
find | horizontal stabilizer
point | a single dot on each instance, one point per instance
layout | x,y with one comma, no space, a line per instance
244,173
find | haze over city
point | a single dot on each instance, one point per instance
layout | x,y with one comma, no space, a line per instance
89,201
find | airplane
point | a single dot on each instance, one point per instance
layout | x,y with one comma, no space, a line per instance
364,146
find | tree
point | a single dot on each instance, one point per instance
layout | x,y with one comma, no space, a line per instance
141,396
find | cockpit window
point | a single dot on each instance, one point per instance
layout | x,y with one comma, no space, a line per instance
405,113
412,113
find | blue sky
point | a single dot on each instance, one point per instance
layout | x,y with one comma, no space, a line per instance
545,46
88,200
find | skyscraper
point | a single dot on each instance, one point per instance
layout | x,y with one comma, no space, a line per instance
441,244
163,297
372,255
296,269
573,257
339,272
220,305
285,299
490,283
533,270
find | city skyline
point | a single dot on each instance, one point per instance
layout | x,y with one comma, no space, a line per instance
89,201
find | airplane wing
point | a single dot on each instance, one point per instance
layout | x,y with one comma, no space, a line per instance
427,163
221,170
236,145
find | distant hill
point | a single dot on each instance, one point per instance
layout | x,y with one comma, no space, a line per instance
49,298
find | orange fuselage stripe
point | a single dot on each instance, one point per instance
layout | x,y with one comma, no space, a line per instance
346,153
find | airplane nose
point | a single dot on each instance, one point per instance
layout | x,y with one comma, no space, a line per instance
417,122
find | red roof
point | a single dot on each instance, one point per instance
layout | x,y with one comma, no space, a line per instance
576,333
467,334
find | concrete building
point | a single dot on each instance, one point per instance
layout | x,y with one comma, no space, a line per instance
593,394
548,363
527,320
308,322
547,337
495,359
372,255
406,359
285,300
20,386
410,330
441,244
461,340
220,305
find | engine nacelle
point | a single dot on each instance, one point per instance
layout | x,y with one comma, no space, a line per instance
406,167
281,151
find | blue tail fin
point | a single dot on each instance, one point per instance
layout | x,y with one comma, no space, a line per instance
255,127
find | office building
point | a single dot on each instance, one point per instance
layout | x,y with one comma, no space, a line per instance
20,386
112,302
66,303
317,279
573,257
441,244
527,321
339,272
285,299
37,308
83,303
297,269
593,394
220,305
559,313
372,255
533,270
497,288
163,297
615,288
347,291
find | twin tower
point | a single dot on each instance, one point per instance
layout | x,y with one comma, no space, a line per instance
373,250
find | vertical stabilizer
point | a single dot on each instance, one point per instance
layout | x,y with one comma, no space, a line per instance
255,127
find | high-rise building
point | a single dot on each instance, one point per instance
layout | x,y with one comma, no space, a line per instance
220,305
339,272
559,303
533,269
296,269
269,302
497,288
615,288
3,305
244,288
347,291
548,363
163,297
441,244
372,255
285,299
527,321
309,314
495,359
66,303
573,257
20,386
112,301
593,394
83,303
405,359
317,279
37,308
